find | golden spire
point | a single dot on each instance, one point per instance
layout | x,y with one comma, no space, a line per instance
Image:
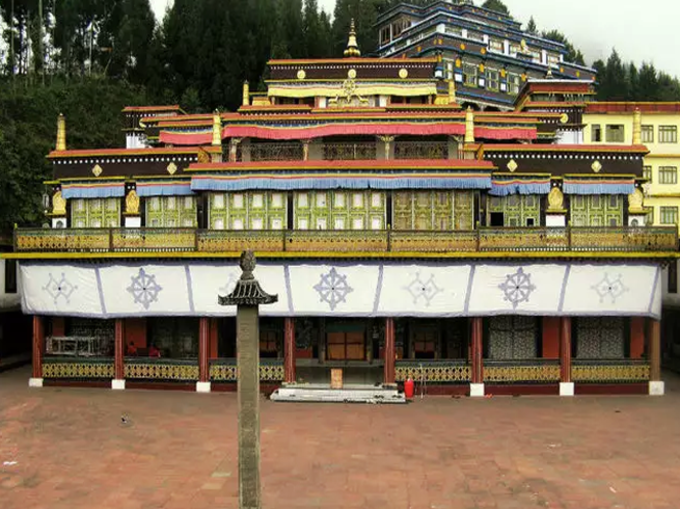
452,92
246,93
61,133
217,129
469,126
637,127
352,46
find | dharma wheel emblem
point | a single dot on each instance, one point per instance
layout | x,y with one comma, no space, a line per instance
517,287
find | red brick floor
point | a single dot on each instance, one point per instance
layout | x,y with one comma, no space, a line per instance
179,451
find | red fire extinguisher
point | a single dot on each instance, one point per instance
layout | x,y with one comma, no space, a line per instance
409,388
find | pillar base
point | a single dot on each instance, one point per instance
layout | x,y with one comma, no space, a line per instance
657,388
476,390
203,387
35,382
118,385
566,388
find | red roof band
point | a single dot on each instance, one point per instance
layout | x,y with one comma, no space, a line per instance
284,133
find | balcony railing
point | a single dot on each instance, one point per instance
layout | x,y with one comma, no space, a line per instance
421,150
130,240
349,151
271,152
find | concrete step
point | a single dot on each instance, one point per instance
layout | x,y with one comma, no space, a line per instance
319,393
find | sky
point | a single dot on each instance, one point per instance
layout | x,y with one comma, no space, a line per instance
640,31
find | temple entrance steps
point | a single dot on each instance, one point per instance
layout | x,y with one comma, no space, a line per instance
322,393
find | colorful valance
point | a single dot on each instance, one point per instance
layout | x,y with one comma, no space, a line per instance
283,132
297,91
164,188
282,182
506,187
80,190
598,186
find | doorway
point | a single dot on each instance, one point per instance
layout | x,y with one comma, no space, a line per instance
346,342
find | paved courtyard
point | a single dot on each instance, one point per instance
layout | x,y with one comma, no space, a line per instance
178,451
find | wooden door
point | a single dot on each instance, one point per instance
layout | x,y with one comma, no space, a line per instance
346,346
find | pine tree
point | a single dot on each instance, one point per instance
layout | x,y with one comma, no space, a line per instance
496,5
615,75
531,26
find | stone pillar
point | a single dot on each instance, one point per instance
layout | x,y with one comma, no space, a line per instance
203,384
566,385
118,382
389,352
289,351
247,296
477,385
656,385
36,379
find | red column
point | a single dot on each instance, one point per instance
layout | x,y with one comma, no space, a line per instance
38,346
390,351
655,350
119,350
289,350
637,337
477,351
565,349
203,349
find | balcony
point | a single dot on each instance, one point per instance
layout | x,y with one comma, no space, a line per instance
499,240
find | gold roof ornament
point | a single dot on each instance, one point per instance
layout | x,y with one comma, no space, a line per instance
452,92
352,50
555,200
217,129
97,170
635,202
58,204
132,203
246,93
637,127
469,126
61,132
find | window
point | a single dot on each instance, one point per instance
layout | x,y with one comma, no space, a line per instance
668,175
269,343
513,338
167,212
513,84
647,173
647,134
668,134
596,133
96,213
470,74
597,210
10,276
649,217
599,338
385,36
514,210
615,133
668,215
492,79
673,277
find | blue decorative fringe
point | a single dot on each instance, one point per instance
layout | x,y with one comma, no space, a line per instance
77,192
165,190
598,188
339,183
519,188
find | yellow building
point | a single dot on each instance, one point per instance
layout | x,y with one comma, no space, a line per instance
610,123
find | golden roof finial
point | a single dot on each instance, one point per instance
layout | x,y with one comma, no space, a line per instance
469,126
637,127
217,129
246,93
61,132
352,46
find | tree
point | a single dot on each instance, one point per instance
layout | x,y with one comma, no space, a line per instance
496,5
573,55
531,26
615,78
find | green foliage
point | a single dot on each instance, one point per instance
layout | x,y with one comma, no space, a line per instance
625,82
496,5
531,26
28,133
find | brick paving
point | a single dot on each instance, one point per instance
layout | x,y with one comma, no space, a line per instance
178,451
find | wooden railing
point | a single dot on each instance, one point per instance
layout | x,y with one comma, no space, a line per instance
131,240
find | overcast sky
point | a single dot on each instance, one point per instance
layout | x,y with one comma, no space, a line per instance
639,30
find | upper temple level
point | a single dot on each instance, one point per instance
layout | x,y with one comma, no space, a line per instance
368,157
488,54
